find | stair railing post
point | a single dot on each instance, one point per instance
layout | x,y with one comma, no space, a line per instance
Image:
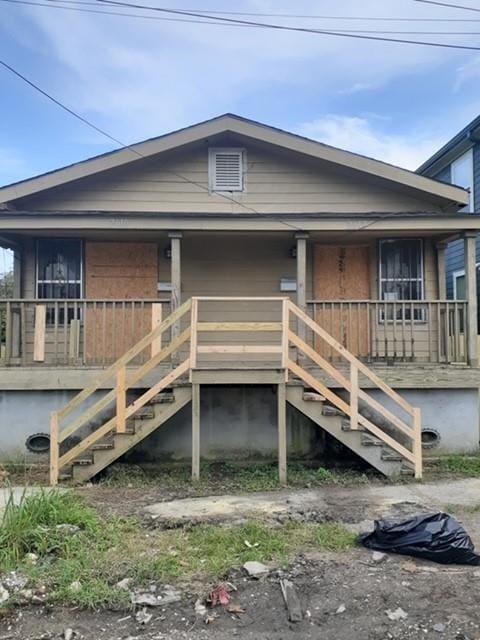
54,449
193,335
353,396
121,400
285,341
417,442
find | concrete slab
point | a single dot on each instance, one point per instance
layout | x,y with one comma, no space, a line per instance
348,504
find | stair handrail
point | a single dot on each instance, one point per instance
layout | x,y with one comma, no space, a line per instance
356,366
124,359
118,369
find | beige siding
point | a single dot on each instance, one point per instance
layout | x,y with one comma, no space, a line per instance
276,182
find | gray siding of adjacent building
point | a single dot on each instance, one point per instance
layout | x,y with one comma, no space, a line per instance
454,254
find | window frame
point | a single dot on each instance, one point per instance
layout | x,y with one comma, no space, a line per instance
471,189
421,315
37,280
458,273
212,174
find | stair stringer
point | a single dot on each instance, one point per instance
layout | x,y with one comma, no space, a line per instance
123,442
351,439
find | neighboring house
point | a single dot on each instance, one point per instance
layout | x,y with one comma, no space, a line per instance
458,162
219,273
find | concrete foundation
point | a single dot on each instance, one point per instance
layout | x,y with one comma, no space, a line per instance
238,422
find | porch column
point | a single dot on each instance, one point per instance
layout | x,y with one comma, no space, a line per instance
470,252
441,271
17,293
176,276
301,239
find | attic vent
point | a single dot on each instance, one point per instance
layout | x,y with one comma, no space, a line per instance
226,169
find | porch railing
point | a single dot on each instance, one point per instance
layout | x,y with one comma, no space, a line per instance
430,331
75,332
97,332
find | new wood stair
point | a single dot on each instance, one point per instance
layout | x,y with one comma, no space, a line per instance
389,439
337,424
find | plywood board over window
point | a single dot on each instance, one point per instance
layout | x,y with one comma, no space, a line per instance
118,271
342,273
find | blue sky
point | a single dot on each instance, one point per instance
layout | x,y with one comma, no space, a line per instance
141,78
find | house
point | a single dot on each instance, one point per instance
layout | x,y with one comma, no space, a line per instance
458,162
234,290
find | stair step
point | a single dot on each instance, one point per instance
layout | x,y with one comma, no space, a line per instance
371,441
83,462
162,398
392,456
129,431
312,396
347,426
102,446
64,477
328,410
145,414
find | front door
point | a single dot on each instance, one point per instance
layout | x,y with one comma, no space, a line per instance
342,274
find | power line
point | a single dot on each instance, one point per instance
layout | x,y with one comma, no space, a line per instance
304,16
279,27
448,4
32,3
129,147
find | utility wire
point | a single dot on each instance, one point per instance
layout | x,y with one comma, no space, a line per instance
304,16
449,5
279,27
32,3
130,147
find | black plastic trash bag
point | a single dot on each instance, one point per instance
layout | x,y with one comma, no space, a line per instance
435,536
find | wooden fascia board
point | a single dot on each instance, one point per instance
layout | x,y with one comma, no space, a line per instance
246,128
57,222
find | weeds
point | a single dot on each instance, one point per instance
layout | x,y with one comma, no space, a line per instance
77,547
457,465
231,478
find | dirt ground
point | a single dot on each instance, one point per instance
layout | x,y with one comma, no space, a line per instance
440,602
343,595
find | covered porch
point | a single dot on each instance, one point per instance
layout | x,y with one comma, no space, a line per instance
381,295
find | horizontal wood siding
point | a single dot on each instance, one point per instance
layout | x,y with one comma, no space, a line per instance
276,181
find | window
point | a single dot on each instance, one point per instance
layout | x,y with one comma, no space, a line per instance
462,175
59,269
401,274
226,170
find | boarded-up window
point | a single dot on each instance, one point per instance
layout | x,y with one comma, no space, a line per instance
225,169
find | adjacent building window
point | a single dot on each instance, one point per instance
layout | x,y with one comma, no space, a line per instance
226,169
59,268
401,275
462,175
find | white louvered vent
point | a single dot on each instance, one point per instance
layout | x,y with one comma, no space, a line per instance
226,169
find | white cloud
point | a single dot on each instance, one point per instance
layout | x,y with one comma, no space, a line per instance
360,136
148,77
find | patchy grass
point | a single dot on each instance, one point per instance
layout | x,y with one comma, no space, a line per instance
461,508
228,478
99,552
466,466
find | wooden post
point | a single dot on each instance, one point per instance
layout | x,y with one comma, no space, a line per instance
353,396
193,335
121,399
156,320
176,281
195,431
74,341
282,433
470,251
417,442
39,333
54,449
301,239
441,272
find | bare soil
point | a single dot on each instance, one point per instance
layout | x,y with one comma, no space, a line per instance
440,602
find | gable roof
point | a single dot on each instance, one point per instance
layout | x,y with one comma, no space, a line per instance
460,142
230,123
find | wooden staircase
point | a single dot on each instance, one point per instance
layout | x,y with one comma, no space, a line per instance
389,440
